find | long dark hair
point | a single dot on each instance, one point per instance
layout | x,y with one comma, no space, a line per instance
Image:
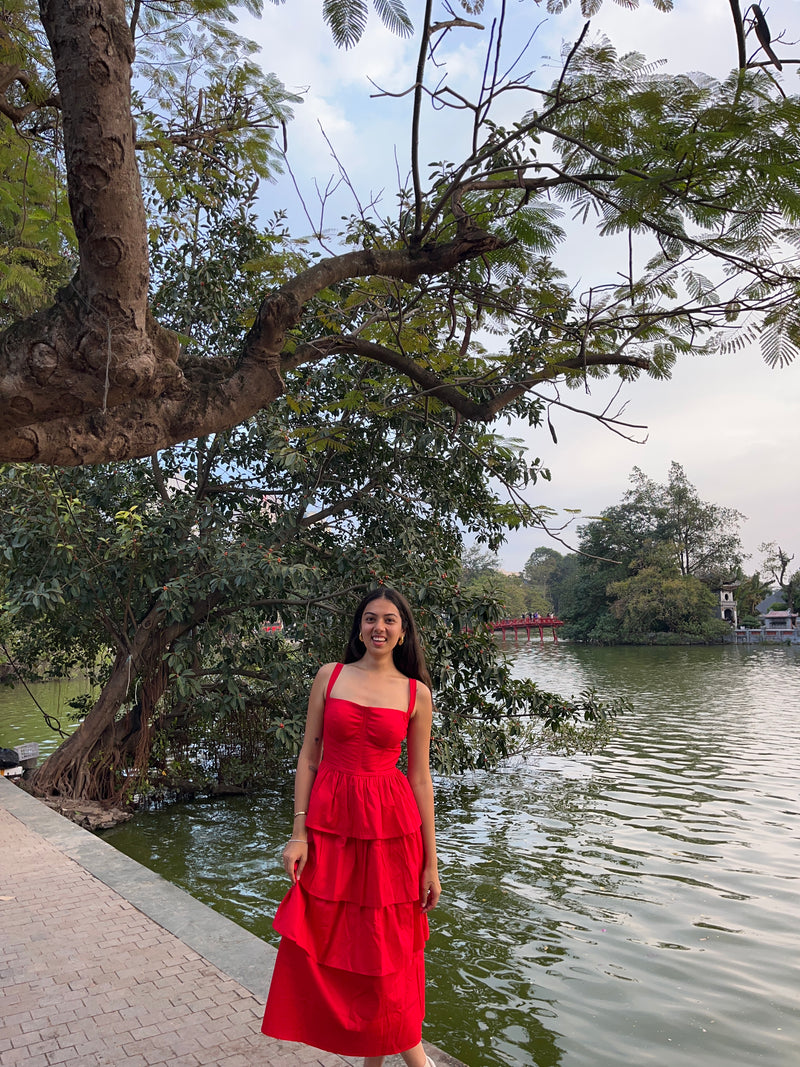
408,657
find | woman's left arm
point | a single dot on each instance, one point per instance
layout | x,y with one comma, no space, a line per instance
419,777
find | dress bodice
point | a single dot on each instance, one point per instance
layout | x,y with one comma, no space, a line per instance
360,739
359,790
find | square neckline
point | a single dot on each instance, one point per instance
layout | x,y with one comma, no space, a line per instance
412,694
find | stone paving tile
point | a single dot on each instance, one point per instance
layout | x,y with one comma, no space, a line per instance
89,981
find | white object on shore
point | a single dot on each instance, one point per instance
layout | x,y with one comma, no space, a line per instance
28,755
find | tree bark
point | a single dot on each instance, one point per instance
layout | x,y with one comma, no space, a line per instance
94,378
95,347
89,763
181,399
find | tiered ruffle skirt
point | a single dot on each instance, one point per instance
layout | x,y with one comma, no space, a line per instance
350,972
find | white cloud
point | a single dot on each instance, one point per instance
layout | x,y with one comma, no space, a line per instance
297,46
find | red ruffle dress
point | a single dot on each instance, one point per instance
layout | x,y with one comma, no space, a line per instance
350,972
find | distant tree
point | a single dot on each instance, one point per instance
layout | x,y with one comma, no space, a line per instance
660,532
476,562
540,565
750,591
535,601
585,602
586,607
704,536
540,568
655,601
505,590
552,573
776,564
510,594
610,547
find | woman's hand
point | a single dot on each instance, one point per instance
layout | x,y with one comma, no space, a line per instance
295,855
430,889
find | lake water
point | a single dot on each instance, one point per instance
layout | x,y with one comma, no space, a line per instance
21,719
638,905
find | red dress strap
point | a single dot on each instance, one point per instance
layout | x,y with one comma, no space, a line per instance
412,694
337,670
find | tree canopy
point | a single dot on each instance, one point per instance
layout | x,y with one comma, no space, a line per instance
482,576
202,590
777,564
702,538
649,564
126,110
550,571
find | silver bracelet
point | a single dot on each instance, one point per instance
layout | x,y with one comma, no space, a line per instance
297,840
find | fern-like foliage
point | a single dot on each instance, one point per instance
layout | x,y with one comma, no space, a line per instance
780,337
347,20
589,8
394,16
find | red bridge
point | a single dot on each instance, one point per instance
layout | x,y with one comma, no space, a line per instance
528,623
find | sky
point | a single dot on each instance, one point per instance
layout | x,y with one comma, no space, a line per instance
732,422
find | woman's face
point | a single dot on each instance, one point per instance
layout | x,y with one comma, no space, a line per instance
381,625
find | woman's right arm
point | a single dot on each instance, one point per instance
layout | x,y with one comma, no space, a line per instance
295,853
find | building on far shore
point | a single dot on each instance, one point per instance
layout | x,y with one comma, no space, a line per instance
728,608
777,624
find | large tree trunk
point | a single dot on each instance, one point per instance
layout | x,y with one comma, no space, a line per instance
94,378
91,764
95,345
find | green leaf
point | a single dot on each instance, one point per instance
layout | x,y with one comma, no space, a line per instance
394,16
347,20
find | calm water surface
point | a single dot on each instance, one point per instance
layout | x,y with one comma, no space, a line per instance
21,720
638,906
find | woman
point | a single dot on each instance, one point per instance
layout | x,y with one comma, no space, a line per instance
350,972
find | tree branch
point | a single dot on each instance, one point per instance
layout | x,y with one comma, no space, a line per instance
738,25
415,121
281,310
449,393
161,403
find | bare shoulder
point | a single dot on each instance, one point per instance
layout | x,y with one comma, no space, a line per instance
323,676
424,701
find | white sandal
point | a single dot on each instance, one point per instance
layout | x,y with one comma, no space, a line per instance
429,1062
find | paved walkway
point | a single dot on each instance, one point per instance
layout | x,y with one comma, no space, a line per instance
103,962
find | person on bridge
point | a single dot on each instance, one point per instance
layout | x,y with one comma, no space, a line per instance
350,972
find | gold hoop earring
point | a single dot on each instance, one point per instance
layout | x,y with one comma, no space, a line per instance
361,639
402,639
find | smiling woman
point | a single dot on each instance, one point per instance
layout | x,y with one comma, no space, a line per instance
399,629
350,973
381,622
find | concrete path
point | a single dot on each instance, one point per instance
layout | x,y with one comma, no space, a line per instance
103,962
